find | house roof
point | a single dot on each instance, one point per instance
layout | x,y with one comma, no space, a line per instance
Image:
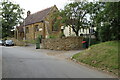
36,17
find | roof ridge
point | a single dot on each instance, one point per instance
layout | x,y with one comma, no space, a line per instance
41,10
37,16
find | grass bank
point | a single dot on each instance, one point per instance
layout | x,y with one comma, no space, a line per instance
103,56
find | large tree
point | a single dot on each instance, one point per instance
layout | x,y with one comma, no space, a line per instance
74,15
11,16
103,15
108,21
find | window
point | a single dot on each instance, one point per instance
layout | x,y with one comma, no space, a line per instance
36,28
27,30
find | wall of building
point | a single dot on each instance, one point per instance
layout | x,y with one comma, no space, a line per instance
45,28
49,25
33,34
18,35
68,31
66,43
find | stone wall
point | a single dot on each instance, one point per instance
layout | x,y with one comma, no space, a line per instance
17,42
66,43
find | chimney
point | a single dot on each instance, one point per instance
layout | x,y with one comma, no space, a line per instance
28,13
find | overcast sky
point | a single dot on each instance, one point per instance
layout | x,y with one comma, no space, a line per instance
37,5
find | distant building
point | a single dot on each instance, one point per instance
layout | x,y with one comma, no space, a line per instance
68,31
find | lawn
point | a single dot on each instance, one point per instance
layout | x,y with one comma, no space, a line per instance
103,56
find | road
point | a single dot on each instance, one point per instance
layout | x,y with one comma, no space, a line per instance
21,62
0,62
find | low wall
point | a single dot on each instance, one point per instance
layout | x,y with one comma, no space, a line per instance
66,43
17,42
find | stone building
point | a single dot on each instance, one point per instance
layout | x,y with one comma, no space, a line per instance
39,23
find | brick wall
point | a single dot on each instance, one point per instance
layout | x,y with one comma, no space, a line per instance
66,43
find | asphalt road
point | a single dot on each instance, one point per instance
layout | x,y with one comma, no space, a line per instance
21,62
0,62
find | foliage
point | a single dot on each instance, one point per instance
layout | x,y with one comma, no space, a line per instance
11,16
52,36
62,35
74,15
54,20
103,56
107,21
30,41
102,15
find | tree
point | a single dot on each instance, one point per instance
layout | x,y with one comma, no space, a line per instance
11,16
103,15
93,9
74,15
108,22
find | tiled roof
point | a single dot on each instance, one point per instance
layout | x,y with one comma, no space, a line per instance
36,17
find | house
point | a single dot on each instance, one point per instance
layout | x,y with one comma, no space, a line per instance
68,31
39,23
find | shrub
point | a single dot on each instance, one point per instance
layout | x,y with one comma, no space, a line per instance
52,36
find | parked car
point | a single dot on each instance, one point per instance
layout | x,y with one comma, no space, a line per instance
2,42
9,43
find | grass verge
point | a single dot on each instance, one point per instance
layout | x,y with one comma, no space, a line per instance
103,56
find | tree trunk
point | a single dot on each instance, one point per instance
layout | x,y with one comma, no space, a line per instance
76,31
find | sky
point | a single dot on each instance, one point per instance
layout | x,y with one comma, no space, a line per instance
37,5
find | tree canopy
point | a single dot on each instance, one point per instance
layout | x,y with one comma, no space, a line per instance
102,15
74,15
107,22
11,16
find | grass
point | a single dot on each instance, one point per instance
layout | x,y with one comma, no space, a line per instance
30,41
103,56
52,37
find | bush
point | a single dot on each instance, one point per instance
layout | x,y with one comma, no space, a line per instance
62,35
52,37
30,41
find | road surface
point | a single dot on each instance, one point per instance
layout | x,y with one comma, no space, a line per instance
0,62
21,62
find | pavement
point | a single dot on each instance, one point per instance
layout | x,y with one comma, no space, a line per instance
28,62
